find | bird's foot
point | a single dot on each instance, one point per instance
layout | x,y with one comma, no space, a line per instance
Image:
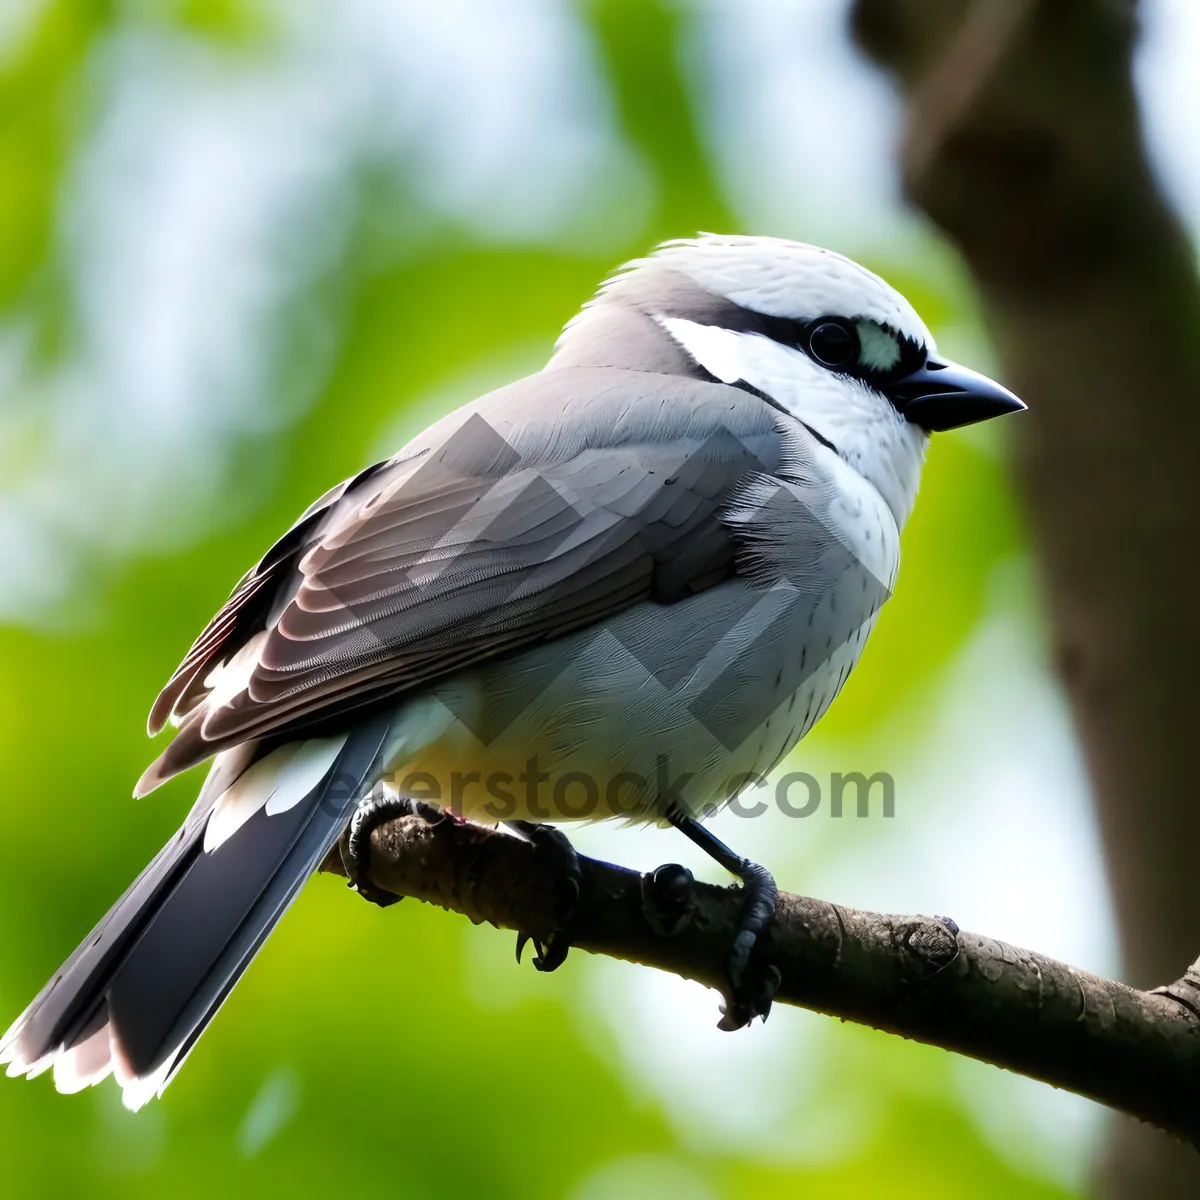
668,901
355,846
552,848
752,983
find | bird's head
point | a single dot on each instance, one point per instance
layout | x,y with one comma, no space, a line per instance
818,336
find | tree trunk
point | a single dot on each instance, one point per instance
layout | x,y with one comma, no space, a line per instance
1024,146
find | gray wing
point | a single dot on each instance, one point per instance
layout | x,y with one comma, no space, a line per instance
544,507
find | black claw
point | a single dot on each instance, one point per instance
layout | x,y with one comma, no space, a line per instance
751,999
732,1017
552,846
552,954
355,846
752,986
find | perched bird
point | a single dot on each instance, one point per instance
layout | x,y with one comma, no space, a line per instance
624,586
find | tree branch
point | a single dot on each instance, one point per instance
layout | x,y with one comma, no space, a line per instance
920,977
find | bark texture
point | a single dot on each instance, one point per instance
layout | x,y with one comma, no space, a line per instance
1024,146
920,977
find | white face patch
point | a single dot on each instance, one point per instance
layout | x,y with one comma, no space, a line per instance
723,353
858,421
785,373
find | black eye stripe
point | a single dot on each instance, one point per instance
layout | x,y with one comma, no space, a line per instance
789,331
784,330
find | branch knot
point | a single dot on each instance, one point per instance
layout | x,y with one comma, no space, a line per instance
929,945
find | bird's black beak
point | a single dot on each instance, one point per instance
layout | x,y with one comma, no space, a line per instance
942,395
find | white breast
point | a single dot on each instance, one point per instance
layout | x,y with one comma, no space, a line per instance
716,688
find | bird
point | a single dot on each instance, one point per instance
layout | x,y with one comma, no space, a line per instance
623,587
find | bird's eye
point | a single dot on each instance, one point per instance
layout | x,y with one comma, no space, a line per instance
831,344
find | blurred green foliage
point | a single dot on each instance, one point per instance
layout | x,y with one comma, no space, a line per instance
403,1053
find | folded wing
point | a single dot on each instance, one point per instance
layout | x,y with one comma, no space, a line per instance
543,508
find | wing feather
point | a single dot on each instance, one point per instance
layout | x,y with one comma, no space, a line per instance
519,519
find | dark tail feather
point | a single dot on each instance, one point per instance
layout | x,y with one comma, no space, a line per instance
142,987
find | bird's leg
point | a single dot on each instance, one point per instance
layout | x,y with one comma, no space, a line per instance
751,992
555,850
355,847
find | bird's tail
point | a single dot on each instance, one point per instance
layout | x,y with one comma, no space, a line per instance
144,984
